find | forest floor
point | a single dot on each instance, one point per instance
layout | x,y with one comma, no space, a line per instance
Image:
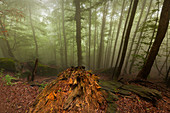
17,98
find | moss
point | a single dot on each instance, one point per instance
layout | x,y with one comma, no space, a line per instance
45,70
7,64
25,74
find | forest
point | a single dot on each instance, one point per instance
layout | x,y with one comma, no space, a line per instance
84,56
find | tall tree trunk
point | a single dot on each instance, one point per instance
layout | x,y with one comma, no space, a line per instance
78,31
109,38
121,45
60,43
97,45
64,34
95,33
118,32
153,34
101,48
73,46
126,39
33,32
139,40
162,28
134,36
166,77
167,50
87,47
89,32
110,46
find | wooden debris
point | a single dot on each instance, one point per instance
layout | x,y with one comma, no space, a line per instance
75,90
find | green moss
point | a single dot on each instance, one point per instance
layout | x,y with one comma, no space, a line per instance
25,74
45,70
7,64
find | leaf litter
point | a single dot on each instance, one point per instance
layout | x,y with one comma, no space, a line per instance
19,97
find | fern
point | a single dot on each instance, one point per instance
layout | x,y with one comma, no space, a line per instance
8,79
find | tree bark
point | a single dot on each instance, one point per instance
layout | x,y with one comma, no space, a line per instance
89,33
121,45
64,34
134,36
33,31
101,48
109,38
126,39
118,32
95,33
34,69
78,31
162,28
61,44
139,40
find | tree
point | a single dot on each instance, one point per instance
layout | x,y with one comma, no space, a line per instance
162,28
126,39
78,31
124,30
118,32
139,39
134,36
89,32
64,34
101,47
95,36
33,30
107,52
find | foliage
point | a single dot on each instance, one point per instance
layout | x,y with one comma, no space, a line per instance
43,85
1,72
8,78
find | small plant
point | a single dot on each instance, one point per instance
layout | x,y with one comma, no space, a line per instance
8,79
43,85
1,72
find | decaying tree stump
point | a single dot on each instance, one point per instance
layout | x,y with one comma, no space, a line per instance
74,90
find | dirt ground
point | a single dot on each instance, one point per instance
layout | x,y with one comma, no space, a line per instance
19,97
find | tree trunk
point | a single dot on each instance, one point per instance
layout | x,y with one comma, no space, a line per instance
73,46
89,33
166,77
78,31
109,38
121,45
167,50
126,39
95,33
111,45
139,40
64,34
134,36
153,34
118,32
33,32
61,44
34,69
162,28
101,48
